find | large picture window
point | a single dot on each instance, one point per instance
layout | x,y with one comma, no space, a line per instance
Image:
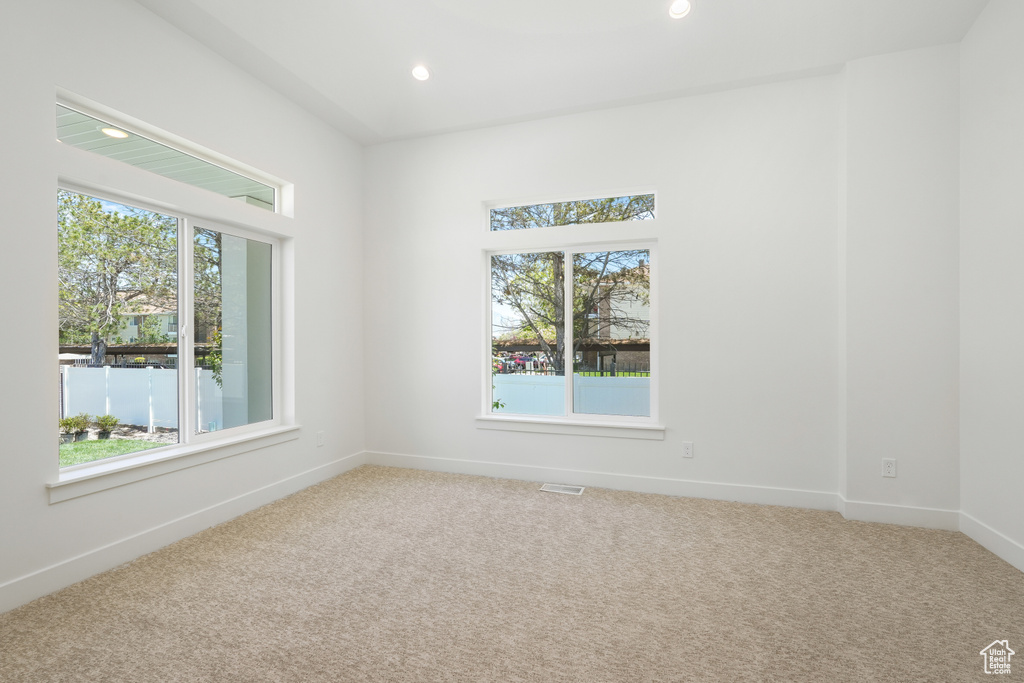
133,378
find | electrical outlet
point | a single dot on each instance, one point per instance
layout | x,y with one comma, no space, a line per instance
888,467
319,439
687,449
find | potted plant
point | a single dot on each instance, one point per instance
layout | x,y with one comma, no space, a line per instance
67,429
80,426
105,424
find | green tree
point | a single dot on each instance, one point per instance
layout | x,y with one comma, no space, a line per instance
608,210
208,301
207,252
216,357
533,284
112,260
150,331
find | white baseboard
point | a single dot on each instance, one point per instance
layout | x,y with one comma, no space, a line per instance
762,495
903,515
992,540
26,588
928,518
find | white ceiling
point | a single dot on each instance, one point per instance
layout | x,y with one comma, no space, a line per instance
492,62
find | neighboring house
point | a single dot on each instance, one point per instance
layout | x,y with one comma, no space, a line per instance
148,320
619,330
146,331
623,304
630,301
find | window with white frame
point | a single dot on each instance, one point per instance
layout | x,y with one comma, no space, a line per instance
581,312
167,324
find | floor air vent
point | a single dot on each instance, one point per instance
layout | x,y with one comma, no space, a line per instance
560,488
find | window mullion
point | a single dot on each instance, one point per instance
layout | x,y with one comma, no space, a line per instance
489,386
186,350
570,343
277,338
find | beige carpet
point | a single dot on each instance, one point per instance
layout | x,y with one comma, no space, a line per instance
385,574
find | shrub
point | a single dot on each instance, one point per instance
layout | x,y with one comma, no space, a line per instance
79,423
106,423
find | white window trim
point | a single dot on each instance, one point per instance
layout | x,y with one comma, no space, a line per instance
563,425
100,475
98,176
609,237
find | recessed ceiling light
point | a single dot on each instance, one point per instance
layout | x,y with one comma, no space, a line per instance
679,9
114,133
420,73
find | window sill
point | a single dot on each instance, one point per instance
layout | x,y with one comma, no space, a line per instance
621,430
107,474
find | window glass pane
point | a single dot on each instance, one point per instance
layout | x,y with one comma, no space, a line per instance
91,134
528,333
232,330
605,210
118,288
611,324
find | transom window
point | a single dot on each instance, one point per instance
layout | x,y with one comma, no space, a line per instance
637,207
120,142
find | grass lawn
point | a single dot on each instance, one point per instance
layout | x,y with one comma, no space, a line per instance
87,451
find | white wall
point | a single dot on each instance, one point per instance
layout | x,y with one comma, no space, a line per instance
992,277
808,240
747,185
118,54
901,279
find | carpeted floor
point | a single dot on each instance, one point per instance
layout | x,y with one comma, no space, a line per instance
386,574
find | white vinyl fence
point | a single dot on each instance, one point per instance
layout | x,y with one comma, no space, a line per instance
545,394
145,397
